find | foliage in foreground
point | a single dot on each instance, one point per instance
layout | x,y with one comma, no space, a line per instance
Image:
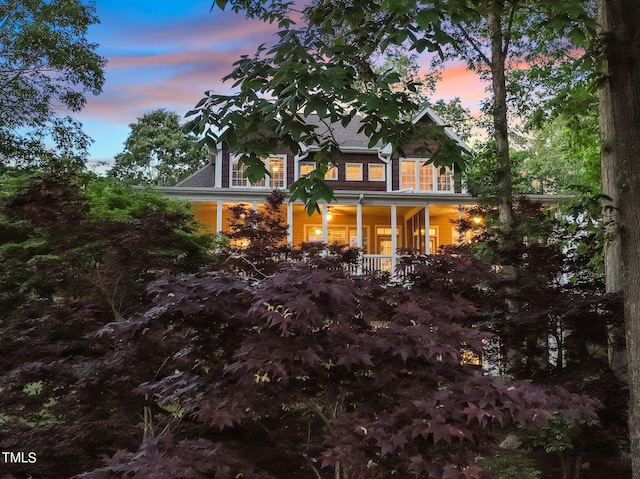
316,373
301,370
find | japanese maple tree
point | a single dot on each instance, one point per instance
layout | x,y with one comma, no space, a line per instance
312,373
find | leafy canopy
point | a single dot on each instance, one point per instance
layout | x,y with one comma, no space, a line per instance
158,152
326,67
47,65
318,68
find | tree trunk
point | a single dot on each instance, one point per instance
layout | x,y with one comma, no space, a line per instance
622,50
501,132
613,246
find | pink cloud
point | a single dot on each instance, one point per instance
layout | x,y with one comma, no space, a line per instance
458,81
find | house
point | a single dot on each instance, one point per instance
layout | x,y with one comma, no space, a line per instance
383,202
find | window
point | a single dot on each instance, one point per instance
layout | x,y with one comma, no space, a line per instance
445,179
343,234
460,238
353,171
306,167
420,177
384,242
275,166
332,173
426,176
376,172
408,175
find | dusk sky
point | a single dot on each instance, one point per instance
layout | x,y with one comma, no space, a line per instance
166,54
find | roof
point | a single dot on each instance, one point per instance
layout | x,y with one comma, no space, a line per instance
348,136
204,177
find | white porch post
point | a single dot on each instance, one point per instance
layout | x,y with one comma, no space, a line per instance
427,236
325,224
218,216
290,223
217,168
394,237
359,242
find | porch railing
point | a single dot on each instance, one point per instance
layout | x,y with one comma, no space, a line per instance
377,262
370,263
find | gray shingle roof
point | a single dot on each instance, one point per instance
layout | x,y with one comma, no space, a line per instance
347,137
204,177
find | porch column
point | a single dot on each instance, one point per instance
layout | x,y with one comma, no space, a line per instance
460,241
217,168
290,223
394,237
359,242
427,236
325,223
218,216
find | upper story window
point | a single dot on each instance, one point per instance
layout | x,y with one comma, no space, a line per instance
306,167
414,174
377,172
275,166
353,171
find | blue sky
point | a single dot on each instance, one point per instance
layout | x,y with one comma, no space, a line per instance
166,54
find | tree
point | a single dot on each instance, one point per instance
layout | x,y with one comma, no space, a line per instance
288,365
325,68
310,372
76,255
158,152
102,256
620,20
46,64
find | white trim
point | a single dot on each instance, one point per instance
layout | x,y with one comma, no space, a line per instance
427,227
219,208
296,161
438,121
359,237
394,237
325,223
233,158
419,188
290,223
346,197
217,167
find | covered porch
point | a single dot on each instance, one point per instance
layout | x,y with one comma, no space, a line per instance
364,221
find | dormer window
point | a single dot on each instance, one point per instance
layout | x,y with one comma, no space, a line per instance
275,165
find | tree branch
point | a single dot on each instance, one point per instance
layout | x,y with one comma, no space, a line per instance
474,45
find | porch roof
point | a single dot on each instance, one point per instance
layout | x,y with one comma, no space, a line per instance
241,195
